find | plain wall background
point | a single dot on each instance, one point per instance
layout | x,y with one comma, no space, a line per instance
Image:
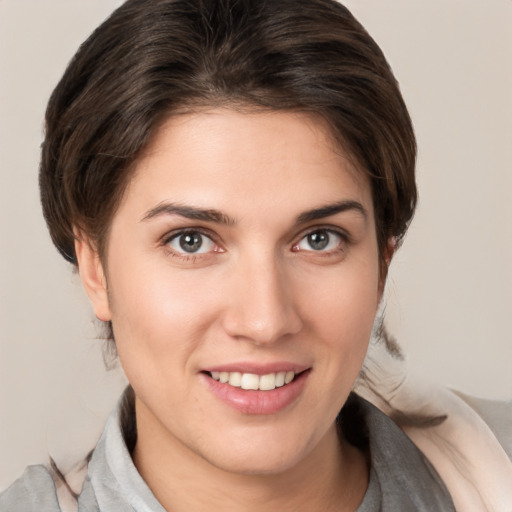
449,295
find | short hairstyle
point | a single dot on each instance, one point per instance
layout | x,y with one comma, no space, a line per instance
154,58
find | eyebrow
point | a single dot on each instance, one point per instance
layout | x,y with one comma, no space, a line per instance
189,212
216,216
332,209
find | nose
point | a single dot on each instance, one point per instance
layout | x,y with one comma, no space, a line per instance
261,308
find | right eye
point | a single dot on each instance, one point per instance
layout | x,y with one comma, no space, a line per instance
191,242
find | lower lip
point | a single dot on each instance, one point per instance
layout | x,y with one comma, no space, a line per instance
258,402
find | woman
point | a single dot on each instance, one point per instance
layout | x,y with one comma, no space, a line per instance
232,180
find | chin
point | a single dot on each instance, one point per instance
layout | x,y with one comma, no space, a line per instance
261,464
264,453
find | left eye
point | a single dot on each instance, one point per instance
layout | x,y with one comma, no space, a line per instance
322,240
191,242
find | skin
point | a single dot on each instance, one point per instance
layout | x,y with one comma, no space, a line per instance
257,291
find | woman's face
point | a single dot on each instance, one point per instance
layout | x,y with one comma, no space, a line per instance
244,250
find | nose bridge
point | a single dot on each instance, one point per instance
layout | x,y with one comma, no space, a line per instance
262,308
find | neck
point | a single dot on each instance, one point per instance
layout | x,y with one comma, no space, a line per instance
333,476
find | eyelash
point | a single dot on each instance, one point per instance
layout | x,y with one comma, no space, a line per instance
167,239
341,246
192,257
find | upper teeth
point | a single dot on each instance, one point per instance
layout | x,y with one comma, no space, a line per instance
252,381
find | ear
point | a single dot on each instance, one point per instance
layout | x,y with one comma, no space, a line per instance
93,276
389,251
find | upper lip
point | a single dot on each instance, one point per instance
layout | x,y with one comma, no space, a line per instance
258,369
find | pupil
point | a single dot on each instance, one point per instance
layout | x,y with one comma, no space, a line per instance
318,240
191,242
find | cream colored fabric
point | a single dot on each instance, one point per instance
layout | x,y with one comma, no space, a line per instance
463,449
67,495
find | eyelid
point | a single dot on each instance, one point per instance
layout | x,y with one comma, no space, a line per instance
171,235
166,239
341,233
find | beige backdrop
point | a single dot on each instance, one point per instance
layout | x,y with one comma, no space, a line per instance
449,297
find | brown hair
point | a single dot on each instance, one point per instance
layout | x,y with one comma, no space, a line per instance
153,58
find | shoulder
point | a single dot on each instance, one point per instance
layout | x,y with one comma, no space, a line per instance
34,491
401,477
497,415
468,444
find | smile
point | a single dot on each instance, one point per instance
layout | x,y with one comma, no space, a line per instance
264,392
251,381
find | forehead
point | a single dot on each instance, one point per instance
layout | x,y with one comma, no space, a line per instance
246,161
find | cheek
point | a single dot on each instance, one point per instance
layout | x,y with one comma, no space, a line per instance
156,314
340,310
340,307
345,297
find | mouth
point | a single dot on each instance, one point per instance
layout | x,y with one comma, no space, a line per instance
257,389
252,381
